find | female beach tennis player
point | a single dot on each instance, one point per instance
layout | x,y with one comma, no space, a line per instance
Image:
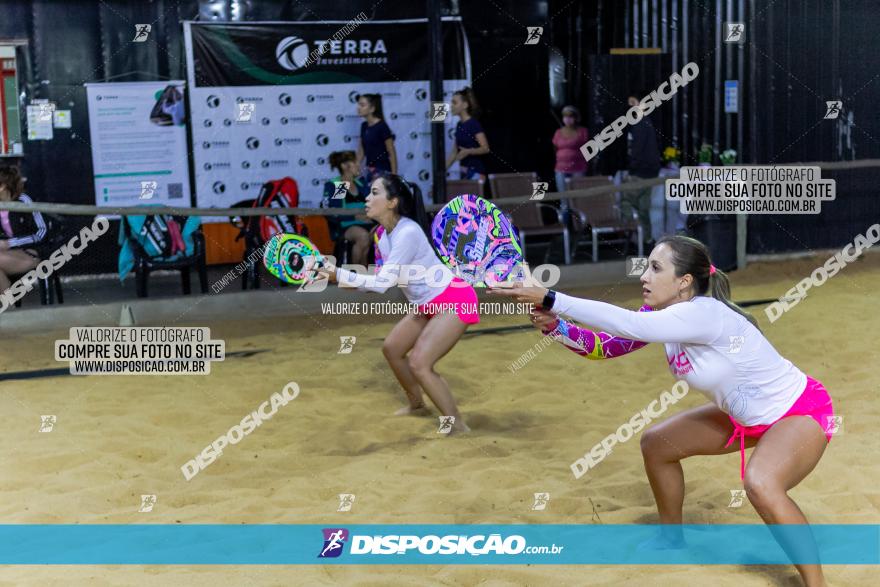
756,394
431,332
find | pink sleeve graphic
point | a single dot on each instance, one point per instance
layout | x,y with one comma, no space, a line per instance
594,345
377,234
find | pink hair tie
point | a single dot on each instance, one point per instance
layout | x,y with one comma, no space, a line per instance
711,269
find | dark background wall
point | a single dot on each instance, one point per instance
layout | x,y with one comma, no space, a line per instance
800,53
797,55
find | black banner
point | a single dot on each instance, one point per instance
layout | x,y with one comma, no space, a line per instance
320,53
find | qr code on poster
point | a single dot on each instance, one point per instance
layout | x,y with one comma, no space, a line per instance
175,191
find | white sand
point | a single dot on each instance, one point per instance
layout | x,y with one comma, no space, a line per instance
119,437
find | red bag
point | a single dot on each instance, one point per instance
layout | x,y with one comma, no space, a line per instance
279,193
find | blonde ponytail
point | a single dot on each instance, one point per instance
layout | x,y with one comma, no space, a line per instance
691,256
719,288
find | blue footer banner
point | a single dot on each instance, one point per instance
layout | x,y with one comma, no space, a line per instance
228,544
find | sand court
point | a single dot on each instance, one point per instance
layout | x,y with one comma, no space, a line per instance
117,438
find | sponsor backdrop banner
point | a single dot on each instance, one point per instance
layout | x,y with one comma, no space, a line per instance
138,138
270,100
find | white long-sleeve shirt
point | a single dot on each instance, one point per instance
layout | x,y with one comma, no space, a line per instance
714,349
405,246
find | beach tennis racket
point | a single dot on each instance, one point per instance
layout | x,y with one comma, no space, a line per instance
286,256
477,241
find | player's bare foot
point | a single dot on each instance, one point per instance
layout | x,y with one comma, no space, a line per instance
459,428
421,410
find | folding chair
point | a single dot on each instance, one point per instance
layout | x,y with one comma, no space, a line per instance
527,217
457,187
601,214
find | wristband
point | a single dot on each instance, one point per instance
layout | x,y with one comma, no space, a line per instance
549,299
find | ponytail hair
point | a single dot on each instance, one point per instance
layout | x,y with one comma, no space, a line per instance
467,94
409,200
691,256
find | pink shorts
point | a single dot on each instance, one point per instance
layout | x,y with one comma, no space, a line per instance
813,402
458,295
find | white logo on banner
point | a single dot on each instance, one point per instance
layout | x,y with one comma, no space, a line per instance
292,53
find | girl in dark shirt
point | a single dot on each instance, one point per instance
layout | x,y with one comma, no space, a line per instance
470,140
376,145
353,229
17,230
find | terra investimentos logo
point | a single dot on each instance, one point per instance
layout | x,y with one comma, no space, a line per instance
292,53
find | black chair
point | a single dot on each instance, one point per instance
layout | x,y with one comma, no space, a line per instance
50,287
251,273
144,263
342,251
342,247
249,230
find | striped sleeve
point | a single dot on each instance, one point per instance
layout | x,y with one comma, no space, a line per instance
39,223
594,345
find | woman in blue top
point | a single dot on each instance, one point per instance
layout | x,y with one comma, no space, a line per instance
470,140
352,229
376,146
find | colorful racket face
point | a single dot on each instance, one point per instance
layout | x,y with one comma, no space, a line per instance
477,241
286,256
